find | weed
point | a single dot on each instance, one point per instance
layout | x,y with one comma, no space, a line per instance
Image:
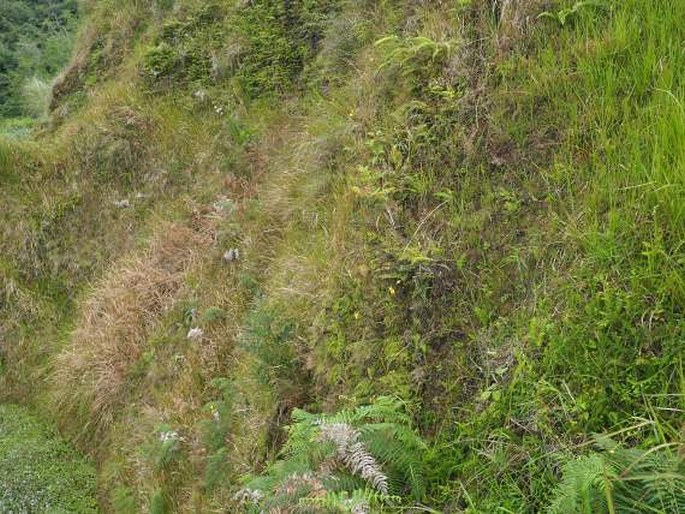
564,16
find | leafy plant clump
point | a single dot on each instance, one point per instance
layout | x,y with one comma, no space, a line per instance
281,38
38,471
620,480
352,461
185,50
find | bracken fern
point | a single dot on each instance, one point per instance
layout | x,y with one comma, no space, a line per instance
351,461
620,480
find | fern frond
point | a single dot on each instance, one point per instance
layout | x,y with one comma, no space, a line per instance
354,455
360,501
413,54
348,461
624,480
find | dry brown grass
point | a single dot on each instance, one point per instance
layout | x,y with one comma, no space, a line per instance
92,373
515,19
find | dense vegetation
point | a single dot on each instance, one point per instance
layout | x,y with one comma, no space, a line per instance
35,43
358,256
39,472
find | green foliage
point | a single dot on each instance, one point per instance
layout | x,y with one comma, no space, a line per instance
38,471
159,504
280,38
123,500
564,16
159,61
16,128
351,461
585,486
414,55
620,480
184,50
265,48
269,337
216,432
35,43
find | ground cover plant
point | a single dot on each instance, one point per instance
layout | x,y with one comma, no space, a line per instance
38,471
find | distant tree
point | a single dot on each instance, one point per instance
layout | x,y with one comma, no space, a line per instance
35,43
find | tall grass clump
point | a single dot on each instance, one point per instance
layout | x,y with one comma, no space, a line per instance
94,375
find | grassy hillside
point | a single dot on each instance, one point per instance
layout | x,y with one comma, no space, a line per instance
443,242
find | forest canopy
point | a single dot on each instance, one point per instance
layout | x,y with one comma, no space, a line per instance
35,43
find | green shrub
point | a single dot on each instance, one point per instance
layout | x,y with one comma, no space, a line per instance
160,60
183,51
368,457
281,38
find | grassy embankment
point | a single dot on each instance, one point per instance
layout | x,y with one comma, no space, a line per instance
473,208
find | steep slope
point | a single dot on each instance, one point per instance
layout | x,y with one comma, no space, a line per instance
474,207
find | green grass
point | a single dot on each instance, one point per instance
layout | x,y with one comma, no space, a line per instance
39,472
478,211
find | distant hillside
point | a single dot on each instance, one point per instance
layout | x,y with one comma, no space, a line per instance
35,43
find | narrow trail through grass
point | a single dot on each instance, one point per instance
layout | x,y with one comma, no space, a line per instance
39,472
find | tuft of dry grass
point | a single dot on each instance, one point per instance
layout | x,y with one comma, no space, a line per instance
91,376
515,18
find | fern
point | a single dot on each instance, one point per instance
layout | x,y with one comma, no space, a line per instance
354,454
415,54
581,488
359,501
564,16
350,461
619,480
